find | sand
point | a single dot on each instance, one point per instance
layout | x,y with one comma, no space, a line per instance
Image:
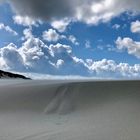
69,110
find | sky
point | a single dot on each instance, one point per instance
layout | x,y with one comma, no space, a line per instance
92,38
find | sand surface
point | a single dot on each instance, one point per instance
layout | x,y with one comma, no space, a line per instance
69,110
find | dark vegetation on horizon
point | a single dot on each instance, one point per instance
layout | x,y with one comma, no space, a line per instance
4,74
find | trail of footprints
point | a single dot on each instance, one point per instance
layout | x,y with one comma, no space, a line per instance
63,101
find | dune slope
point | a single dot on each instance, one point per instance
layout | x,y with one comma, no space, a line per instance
66,110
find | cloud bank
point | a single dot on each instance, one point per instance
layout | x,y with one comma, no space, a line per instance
89,11
58,59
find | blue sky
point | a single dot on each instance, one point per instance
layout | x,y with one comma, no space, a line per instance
94,43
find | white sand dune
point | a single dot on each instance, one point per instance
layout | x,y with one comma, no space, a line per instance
69,110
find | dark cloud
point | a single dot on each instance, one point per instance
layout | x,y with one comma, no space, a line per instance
43,9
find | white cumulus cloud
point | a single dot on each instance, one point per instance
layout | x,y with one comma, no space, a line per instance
61,25
135,27
24,20
109,68
52,36
11,58
58,59
35,56
132,47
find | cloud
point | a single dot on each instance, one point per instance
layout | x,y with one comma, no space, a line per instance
135,27
52,36
24,20
59,49
61,25
59,63
73,40
87,44
36,56
43,9
11,58
132,47
116,26
89,11
107,68
94,12
8,29
27,33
